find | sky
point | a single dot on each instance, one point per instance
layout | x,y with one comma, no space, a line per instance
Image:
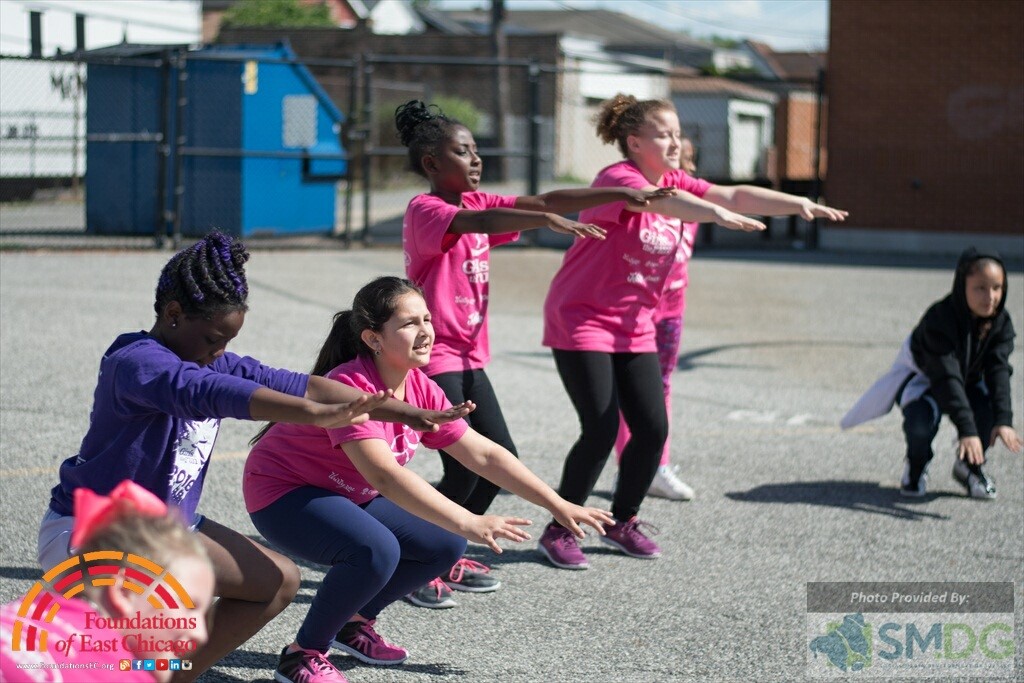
788,25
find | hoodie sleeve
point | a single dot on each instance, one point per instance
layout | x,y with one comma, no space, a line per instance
997,373
935,353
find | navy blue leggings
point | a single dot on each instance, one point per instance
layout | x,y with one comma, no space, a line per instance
377,552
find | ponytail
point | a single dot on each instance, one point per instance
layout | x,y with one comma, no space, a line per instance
373,306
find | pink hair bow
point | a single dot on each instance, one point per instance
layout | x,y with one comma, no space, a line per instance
93,511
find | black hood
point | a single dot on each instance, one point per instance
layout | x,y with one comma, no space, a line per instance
959,293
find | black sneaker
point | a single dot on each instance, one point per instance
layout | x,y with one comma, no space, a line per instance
978,485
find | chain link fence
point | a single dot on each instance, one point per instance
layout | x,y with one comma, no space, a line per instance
150,145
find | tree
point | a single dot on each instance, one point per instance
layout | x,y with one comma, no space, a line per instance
277,13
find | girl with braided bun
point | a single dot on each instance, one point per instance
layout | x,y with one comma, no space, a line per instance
156,412
447,235
599,312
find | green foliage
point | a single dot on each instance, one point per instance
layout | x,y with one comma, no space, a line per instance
277,13
393,171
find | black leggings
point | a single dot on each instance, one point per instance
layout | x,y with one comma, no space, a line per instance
921,419
458,483
599,385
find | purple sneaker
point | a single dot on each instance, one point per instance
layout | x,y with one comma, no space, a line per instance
627,537
357,638
561,548
306,666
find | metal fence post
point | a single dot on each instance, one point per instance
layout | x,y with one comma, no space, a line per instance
163,152
533,177
181,63
366,125
812,236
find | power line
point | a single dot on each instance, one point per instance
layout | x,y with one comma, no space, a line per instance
739,27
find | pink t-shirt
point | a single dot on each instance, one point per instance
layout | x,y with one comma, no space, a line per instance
603,297
672,300
454,271
291,456
50,664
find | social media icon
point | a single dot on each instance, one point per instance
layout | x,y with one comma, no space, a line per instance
125,665
186,665
161,664
137,664
175,665
149,665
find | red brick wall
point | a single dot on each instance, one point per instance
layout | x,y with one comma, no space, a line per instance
926,124
796,118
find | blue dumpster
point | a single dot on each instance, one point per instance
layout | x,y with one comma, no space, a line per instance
260,153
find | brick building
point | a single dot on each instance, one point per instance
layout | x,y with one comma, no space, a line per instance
926,125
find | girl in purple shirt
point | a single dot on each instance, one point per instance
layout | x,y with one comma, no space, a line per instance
156,411
447,235
598,316
343,498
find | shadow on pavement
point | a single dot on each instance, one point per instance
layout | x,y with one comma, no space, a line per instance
686,360
25,573
859,496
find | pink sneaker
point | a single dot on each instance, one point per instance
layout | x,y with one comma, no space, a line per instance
561,548
306,666
357,638
627,537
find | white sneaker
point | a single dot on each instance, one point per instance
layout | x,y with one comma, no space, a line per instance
977,485
667,484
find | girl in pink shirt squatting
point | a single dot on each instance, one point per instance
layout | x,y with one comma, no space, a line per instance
447,236
668,332
156,413
599,313
99,625
343,498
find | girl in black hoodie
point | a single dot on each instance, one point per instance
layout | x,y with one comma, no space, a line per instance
962,349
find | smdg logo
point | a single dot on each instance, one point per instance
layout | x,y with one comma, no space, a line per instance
915,641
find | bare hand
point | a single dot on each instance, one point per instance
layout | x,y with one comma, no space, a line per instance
636,197
571,516
351,413
1008,437
568,227
487,529
970,449
431,420
809,211
736,221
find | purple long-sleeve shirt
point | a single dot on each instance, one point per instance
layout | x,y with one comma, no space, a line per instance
155,418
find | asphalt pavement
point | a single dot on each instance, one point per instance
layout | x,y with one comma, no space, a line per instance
777,345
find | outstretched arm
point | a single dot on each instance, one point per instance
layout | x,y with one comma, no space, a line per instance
377,464
500,220
764,202
496,464
571,201
350,408
329,391
688,207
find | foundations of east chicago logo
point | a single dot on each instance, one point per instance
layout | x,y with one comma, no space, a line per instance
73,631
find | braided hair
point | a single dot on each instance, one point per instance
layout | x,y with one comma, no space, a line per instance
624,115
206,278
422,128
